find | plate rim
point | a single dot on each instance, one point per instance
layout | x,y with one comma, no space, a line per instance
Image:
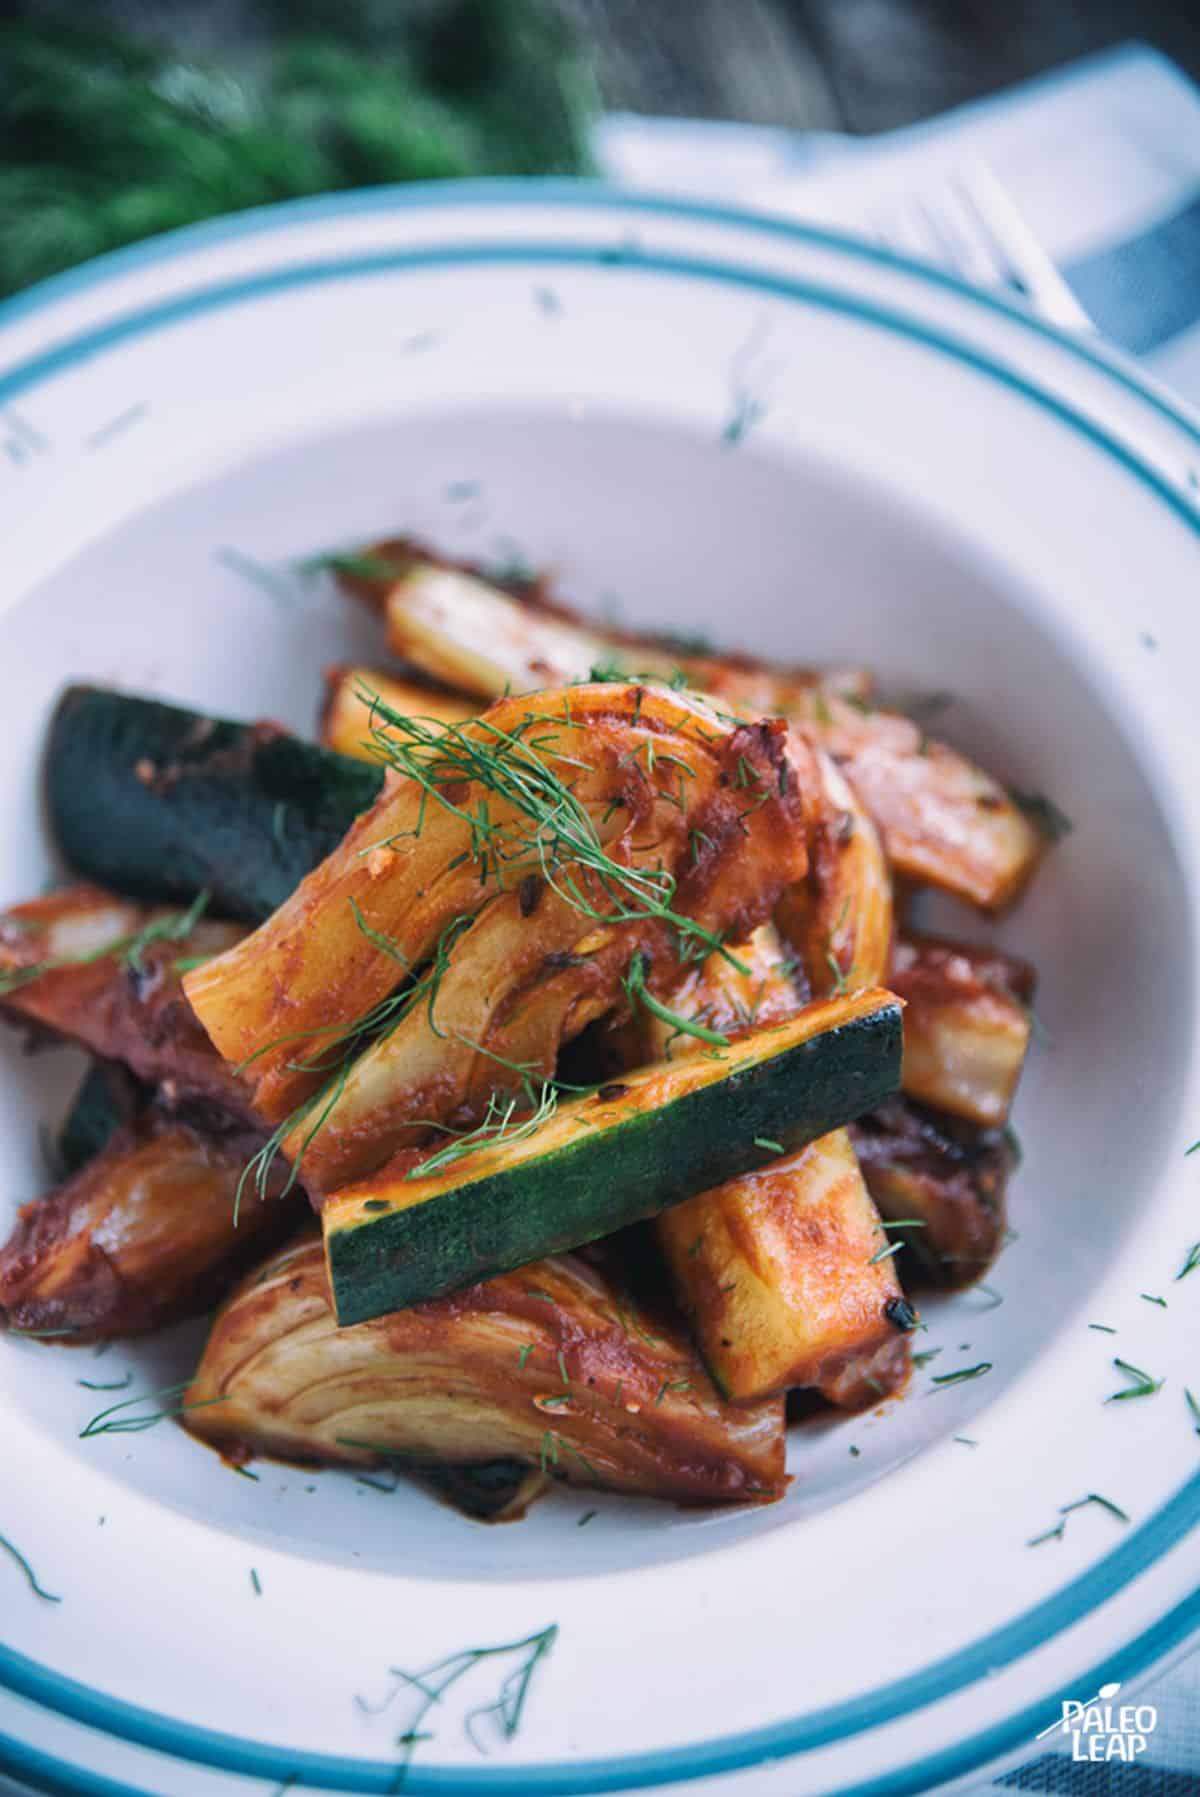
1181,1511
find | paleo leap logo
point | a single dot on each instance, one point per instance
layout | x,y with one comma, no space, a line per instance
1101,1730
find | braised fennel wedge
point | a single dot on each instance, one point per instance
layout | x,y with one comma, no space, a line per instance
85,966
553,1365
637,806
779,1271
967,1025
943,821
141,1235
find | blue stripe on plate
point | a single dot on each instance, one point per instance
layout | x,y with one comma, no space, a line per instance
1141,293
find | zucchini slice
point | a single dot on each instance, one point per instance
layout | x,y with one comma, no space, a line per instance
163,803
348,715
89,968
942,820
950,1176
778,1271
553,1365
610,1158
644,771
142,1235
967,1025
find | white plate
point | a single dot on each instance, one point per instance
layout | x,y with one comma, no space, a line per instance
918,477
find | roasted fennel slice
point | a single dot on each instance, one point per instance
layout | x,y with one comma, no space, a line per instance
144,1234
349,713
943,821
475,635
779,1271
84,966
164,803
946,1178
598,1161
838,919
967,1025
552,1364
680,815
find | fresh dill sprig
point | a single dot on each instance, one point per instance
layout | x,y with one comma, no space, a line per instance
501,1124
1193,1409
15,1554
1191,1262
173,927
962,1373
113,1422
1065,1510
1141,1385
555,833
634,984
434,1681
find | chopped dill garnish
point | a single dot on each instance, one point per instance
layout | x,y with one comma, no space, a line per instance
1102,1328
1093,1497
586,1518
962,1373
635,988
110,1385
770,1146
1193,1408
255,1582
523,1356
966,1441
1141,1384
244,1472
1151,1299
16,1555
432,1683
671,1385
174,927
924,1358
1054,1534
113,1422
1191,1262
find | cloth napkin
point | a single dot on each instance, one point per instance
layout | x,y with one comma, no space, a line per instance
1103,162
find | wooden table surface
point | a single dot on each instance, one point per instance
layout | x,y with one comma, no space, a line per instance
853,65
850,65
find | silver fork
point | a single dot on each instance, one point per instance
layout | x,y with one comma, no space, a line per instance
971,226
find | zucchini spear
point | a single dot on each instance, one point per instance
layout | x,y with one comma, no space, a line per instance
609,1158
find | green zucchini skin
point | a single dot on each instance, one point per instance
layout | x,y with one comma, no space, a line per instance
158,802
606,1179
106,1099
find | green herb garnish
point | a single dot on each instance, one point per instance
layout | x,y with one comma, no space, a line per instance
1141,1384
16,1555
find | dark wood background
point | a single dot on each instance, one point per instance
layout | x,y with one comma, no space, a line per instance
852,65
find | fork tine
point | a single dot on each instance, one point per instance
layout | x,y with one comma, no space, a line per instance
1031,270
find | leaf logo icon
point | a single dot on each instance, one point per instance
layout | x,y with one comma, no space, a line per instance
1108,1691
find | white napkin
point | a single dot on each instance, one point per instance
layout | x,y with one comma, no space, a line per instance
1101,159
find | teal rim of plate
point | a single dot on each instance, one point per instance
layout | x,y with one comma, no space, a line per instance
1053,1615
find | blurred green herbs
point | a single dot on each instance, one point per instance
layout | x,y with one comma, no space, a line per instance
105,139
